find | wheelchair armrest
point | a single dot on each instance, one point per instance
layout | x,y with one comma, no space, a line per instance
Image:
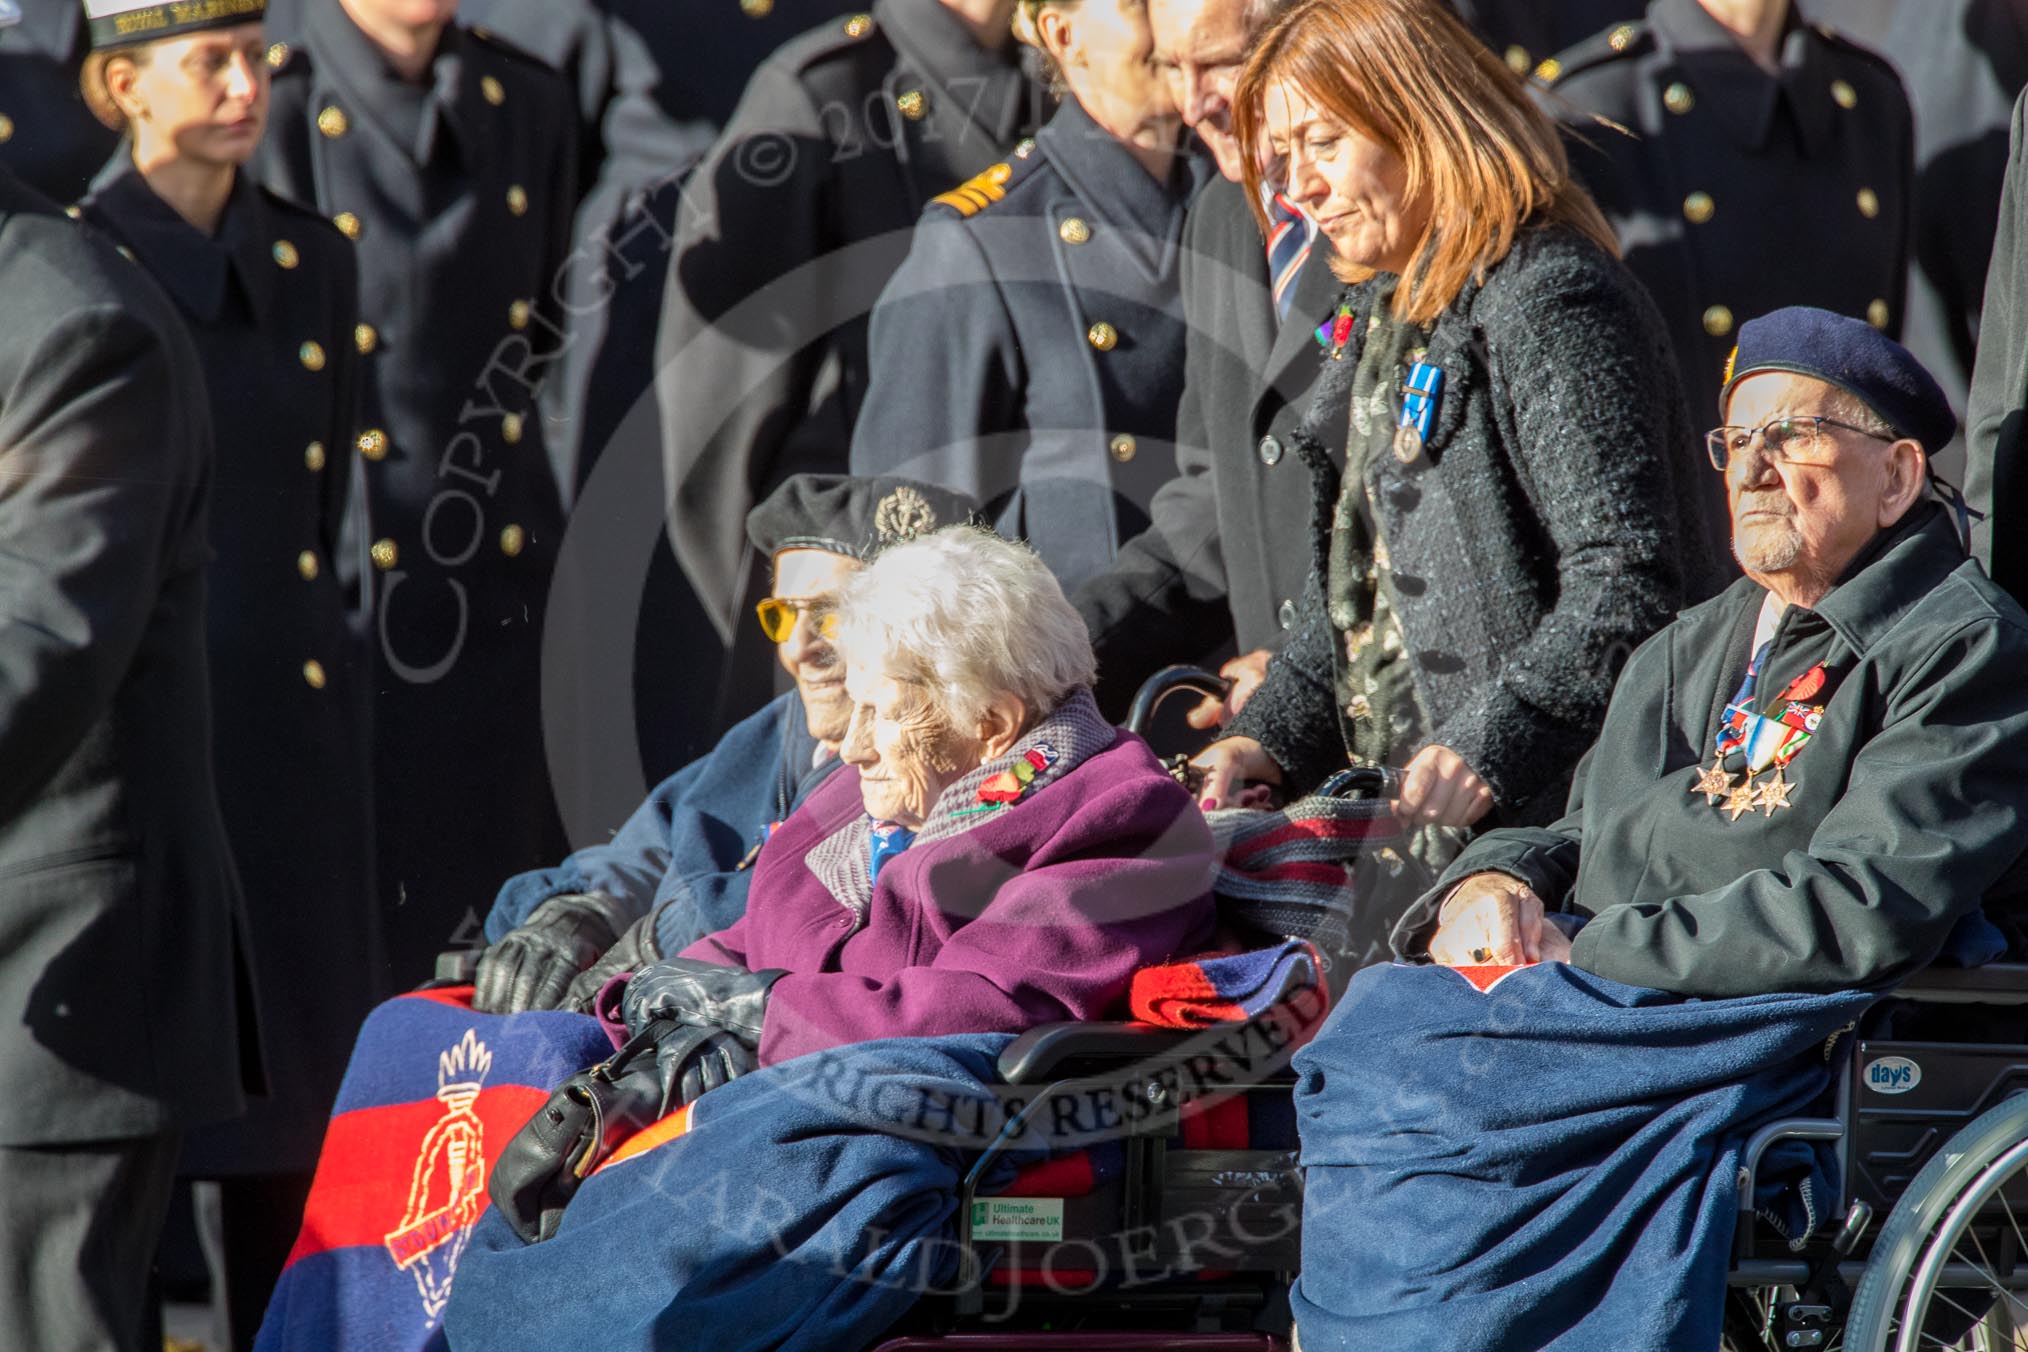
1996,983
1053,1051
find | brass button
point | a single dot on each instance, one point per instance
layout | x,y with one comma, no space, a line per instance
1123,447
348,224
124,252
859,25
517,199
278,55
385,554
510,427
1102,336
492,90
6,127
373,444
1073,230
74,211
1678,99
1286,616
1844,95
1622,35
1270,451
365,337
756,9
313,672
306,564
1869,203
1877,314
313,456
512,538
332,121
285,254
311,355
1518,59
1549,70
1698,207
1718,321
517,315
913,105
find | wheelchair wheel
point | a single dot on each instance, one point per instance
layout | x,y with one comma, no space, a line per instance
1950,1267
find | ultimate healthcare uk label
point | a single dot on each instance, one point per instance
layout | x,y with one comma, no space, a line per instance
1017,1218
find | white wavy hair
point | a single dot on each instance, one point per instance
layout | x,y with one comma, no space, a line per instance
967,616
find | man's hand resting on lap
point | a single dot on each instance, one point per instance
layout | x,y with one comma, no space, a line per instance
1493,920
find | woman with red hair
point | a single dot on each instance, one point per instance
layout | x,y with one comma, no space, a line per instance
1507,484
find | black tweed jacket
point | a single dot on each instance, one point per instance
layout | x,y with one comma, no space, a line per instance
1560,512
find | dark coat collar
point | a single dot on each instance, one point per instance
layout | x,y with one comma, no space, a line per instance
1744,98
1114,186
194,268
360,68
938,47
1897,569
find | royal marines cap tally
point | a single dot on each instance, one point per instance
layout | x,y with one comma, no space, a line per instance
121,23
847,514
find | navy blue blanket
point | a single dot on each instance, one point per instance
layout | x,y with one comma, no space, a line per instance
807,1206
1548,1164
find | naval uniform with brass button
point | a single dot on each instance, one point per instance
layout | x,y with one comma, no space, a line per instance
841,140
1739,192
1030,351
47,135
458,191
270,301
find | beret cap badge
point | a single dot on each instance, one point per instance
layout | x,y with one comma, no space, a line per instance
902,515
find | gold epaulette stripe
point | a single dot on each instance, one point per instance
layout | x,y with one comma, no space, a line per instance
977,193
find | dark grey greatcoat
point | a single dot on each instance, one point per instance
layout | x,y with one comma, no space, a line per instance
787,232
1996,422
1561,511
47,135
1216,562
1029,352
459,194
1906,806
119,1014
288,692
1739,191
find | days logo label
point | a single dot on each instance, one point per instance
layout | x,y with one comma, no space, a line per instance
1892,1075
448,1189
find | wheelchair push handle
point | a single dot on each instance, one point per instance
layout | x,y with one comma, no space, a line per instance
1167,682
1363,781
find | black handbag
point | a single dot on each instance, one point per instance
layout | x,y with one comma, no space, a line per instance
587,1117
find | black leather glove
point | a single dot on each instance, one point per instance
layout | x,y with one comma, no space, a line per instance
637,948
693,1061
532,967
701,994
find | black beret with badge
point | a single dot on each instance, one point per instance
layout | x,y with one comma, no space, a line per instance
852,515
1853,355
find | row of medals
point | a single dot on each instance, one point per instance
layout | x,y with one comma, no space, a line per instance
1770,795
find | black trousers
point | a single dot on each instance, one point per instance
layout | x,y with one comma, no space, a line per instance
78,1225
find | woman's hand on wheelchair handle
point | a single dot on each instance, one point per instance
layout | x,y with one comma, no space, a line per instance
1439,789
1246,672
1227,765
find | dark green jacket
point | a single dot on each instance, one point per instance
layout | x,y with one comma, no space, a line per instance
1907,801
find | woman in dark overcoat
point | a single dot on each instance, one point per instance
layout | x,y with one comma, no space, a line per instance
268,291
1029,352
1508,489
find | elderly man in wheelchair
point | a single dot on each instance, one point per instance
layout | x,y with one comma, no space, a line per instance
1802,792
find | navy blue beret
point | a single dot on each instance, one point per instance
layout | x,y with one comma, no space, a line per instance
844,514
1854,356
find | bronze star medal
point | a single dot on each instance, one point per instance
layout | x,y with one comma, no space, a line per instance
1714,784
1741,800
1774,794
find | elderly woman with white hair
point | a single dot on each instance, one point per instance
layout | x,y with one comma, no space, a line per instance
994,856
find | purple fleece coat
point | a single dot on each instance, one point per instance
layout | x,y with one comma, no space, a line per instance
1042,912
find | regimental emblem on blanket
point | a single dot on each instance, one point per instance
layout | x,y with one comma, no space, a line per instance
448,1189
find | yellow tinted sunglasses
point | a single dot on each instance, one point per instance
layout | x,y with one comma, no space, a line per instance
778,617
